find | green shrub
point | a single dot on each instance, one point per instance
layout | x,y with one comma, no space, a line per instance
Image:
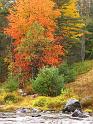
54,104
40,102
11,84
10,99
89,41
3,70
49,103
83,67
68,71
48,82
66,91
1,64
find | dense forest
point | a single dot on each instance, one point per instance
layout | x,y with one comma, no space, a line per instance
44,46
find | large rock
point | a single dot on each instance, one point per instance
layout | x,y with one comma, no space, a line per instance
71,106
78,113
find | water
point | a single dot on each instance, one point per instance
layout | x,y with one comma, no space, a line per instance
45,118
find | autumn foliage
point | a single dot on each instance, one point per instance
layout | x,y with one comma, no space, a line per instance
32,25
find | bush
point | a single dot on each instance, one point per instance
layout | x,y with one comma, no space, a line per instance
55,104
49,103
3,70
11,84
68,71
48,82
83,67
1,64
40,102
10,99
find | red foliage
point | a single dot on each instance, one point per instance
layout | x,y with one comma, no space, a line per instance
23,14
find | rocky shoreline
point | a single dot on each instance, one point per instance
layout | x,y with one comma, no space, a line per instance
43,117
71,114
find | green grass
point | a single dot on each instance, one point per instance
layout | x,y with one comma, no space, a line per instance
83,67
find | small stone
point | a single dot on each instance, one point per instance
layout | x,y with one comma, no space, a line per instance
21,92
34,110
34,95
23,110
36,115
48,112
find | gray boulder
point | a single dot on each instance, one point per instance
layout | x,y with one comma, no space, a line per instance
71,106
78,113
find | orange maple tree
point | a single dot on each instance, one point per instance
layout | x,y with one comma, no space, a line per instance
32,24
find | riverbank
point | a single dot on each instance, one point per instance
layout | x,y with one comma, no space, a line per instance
13,101
81,89
42,103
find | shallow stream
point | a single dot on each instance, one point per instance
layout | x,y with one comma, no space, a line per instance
45,118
